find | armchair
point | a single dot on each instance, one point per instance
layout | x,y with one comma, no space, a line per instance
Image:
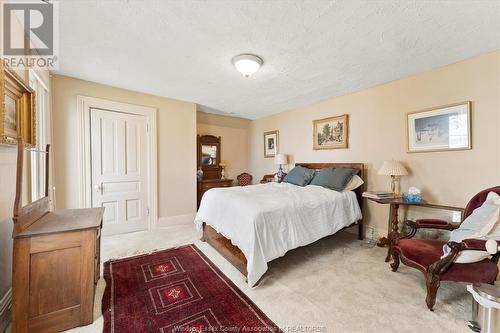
425,255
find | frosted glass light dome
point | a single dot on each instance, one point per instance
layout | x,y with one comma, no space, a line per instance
247,64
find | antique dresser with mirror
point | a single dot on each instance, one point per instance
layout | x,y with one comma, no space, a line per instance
56,261
209,159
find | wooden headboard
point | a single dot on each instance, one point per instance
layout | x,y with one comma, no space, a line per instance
316,166
359,191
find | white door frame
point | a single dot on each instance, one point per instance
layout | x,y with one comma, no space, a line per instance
84,104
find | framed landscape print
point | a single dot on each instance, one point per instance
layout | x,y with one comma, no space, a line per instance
17,109
441,128
271,142
331,133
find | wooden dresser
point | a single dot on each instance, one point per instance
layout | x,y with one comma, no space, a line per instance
206,184
55,269
209,149
56,263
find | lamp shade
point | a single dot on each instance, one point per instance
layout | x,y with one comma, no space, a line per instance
392,168
280,159
223,163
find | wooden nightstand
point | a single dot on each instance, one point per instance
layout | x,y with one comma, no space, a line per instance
206,184
270,178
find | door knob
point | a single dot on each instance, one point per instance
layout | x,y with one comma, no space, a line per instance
98,187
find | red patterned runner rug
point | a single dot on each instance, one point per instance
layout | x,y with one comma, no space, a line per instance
174,291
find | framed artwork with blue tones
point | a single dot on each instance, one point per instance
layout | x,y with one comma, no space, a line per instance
441,128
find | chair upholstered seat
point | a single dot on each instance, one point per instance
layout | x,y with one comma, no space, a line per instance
425,252
422,252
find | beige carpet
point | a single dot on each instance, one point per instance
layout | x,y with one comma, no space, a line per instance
338,284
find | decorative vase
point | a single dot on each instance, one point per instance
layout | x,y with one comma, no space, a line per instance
199,174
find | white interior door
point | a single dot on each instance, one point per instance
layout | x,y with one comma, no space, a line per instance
119,146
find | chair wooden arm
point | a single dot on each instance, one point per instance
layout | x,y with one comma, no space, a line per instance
442,265
427,224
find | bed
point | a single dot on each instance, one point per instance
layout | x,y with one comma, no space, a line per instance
253,225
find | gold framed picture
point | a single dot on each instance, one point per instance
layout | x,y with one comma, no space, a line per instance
17,109
271,143
331,133
441,128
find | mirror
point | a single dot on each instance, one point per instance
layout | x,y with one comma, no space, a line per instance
208,155
33,174
32,200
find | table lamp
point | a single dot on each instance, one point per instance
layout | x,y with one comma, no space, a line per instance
280,159
223,165
394,169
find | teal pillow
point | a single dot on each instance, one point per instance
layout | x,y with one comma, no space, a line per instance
333,178
299,176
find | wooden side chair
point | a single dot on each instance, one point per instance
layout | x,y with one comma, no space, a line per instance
244,179
425,255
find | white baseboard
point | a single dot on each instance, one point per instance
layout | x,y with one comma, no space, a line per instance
168,221
5,310
372,233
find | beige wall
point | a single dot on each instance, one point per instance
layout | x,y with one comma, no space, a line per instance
7,194
377,133
176,144
234,133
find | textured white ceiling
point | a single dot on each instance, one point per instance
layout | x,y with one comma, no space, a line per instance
312,50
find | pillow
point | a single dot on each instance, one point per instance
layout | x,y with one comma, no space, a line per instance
482,220
299,176
495,230
482,223
493,198
470,256
354,183
333,178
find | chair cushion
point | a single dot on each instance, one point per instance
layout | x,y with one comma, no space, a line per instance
484,271
425,252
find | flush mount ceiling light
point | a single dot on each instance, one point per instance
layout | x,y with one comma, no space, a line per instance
247,64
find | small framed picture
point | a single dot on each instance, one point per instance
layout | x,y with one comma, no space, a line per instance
331,133
271,142
440,128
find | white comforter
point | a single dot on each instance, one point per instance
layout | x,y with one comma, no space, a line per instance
267,220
